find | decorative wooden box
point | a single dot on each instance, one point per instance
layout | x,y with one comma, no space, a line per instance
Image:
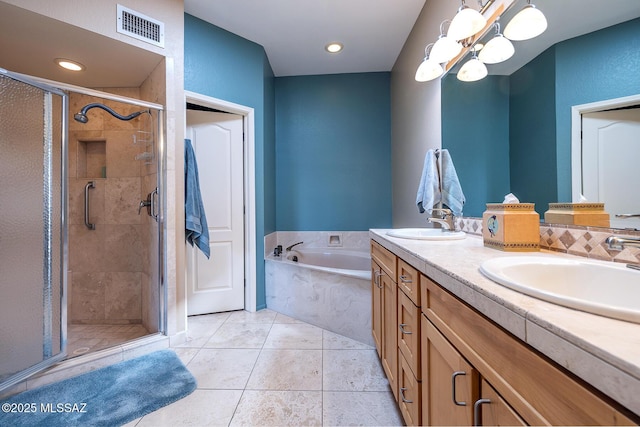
512,227
592,214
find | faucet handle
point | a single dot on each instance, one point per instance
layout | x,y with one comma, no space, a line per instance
445,212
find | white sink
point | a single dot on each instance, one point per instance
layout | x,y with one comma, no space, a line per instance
426,234
604,288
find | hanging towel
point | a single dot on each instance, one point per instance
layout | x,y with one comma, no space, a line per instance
196,229
452,195
429,188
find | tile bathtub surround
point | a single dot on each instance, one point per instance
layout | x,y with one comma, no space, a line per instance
268,369
577,240
352,240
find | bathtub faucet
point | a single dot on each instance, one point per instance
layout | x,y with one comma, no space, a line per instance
291,247
618,243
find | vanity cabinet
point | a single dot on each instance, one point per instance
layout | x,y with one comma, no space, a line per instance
450,365
384,315
513,381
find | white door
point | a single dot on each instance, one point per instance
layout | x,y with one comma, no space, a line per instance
217,284
610,153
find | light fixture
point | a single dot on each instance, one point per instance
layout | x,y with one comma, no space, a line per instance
466,23
498,49
473,70
68,64
445,48
527,24
429,69
334,47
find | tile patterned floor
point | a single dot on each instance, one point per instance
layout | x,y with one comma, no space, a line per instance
83,339
267,369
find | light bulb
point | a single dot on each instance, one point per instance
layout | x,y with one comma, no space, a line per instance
466,23
498,49
472,70
429,69
445,49
527,24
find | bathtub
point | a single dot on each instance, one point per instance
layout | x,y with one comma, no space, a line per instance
326,287
343,262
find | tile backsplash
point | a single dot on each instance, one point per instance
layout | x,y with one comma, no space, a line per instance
577,240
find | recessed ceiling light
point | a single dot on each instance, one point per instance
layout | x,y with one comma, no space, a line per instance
68,64
334,47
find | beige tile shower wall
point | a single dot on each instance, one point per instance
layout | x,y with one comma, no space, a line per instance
107,265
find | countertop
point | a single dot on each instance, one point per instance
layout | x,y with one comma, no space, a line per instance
602,351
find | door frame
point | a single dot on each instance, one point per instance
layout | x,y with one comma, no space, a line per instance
248,119
576,135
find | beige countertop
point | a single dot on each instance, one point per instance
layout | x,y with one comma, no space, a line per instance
602,351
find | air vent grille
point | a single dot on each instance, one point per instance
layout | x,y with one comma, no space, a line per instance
139,26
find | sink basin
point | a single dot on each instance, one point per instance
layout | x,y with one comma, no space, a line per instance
603,288
426,234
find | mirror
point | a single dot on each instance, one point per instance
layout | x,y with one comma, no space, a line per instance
511,132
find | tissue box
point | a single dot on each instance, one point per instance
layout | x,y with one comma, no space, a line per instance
592,214
512,227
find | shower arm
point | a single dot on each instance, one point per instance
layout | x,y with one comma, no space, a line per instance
82,115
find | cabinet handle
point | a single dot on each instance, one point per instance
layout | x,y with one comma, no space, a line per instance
476,410
404,399
453,388
376,278
405,279
401,326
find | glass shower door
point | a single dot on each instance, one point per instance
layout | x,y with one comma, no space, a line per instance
33,132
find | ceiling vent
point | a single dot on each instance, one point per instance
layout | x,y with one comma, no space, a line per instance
139,26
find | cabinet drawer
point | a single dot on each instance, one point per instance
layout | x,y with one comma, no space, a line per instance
409,281
536,388
385,259
410,396
409,332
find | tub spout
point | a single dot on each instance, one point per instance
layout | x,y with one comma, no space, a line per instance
291,247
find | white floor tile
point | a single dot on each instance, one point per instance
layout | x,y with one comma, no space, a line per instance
200,408
352,370
360,408
239,335
223,369
261,316
287,370
279,408
294,336
339,342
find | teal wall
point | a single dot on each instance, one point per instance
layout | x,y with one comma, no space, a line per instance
222,65
476,133
333,152
601,65
536,137
532,131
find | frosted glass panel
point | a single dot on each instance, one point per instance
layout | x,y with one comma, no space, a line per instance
30,230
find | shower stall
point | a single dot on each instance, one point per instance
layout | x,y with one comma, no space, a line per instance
81,221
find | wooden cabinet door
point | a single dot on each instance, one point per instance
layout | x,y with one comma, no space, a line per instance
390,331
376,306
409,398
493,410
409,332
450,383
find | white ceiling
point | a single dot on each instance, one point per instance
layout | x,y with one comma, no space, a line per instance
294,32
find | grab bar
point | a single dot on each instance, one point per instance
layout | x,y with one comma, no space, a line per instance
89,185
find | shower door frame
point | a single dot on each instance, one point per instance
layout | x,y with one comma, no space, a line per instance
49,360
63,90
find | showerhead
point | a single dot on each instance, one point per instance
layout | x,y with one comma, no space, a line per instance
82,115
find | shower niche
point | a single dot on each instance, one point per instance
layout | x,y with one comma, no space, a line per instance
92,159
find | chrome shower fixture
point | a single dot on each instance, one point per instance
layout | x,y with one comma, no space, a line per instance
82,115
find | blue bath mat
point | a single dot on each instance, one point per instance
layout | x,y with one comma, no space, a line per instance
110,396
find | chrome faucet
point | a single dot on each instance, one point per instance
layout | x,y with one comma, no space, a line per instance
618,243
446,220
291,247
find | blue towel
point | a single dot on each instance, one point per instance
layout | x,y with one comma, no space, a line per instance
196,229
429,188
452,194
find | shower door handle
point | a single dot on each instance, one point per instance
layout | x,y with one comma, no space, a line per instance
154,201
89,185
